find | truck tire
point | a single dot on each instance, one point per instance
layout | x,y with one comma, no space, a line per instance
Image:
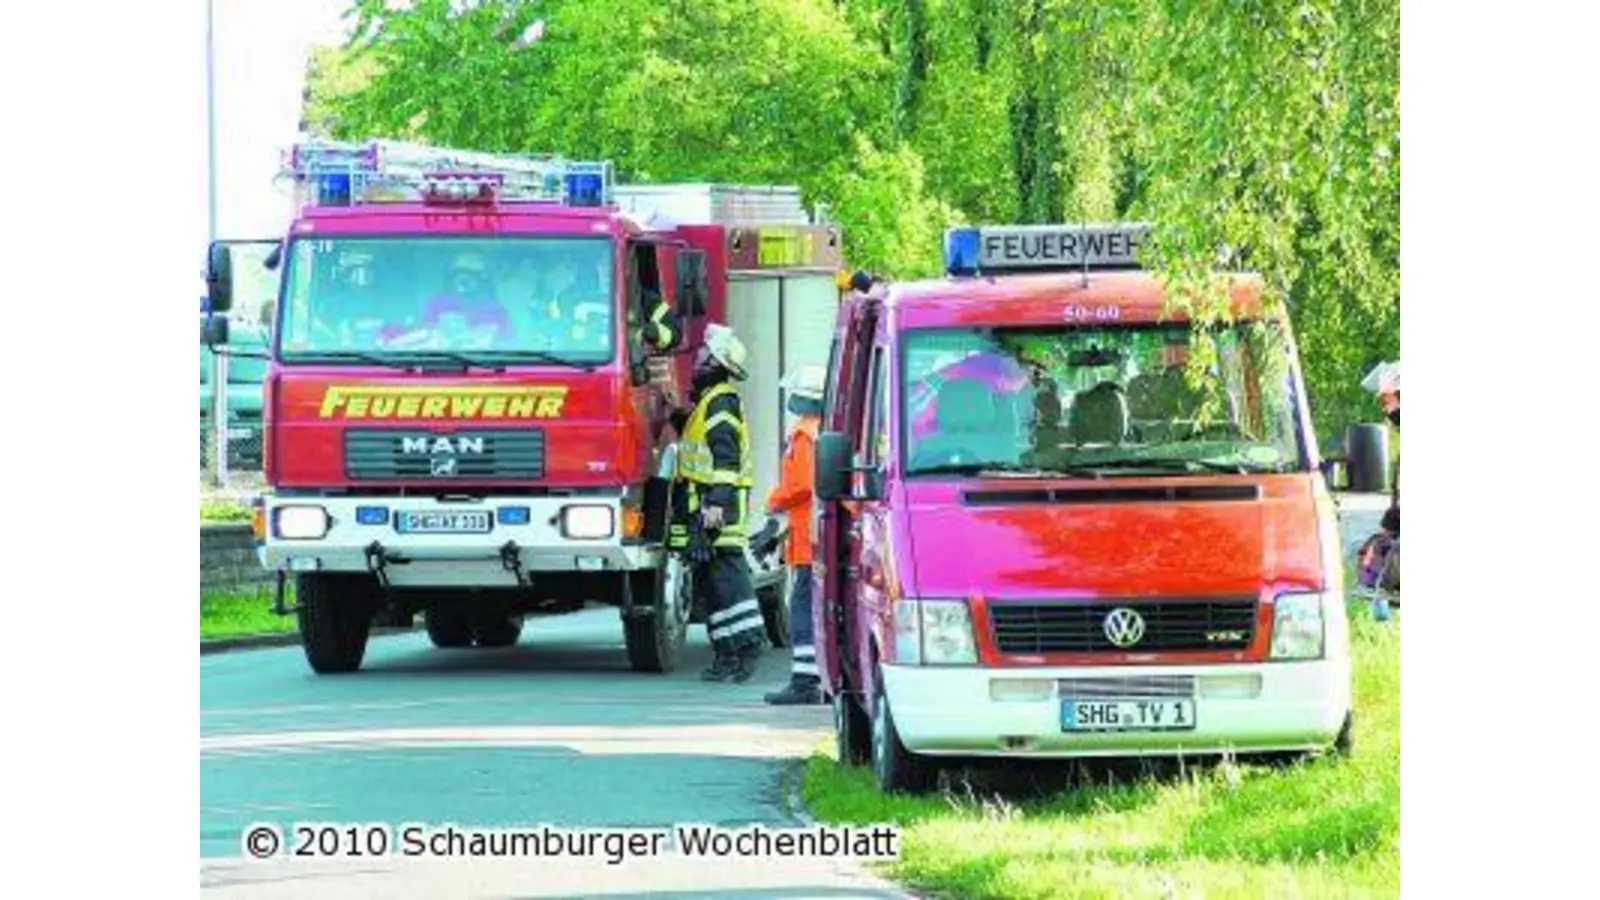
851,730
899,771
775,614
335,615
448,626
494,629
655,638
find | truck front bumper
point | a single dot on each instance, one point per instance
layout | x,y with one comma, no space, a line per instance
1279,706
521,537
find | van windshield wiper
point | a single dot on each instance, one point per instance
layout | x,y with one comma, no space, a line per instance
979,468
1183,465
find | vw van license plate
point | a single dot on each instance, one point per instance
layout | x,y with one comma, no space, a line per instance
443,523
1165,714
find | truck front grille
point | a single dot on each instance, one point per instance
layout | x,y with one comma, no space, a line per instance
506,453
1079,626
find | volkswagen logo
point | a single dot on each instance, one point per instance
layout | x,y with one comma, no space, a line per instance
1124,627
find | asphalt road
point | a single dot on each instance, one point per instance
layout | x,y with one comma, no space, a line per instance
553,731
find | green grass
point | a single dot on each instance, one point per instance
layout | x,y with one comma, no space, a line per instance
1326,827
243,613
223,511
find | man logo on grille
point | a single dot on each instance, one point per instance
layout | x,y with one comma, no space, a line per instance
443,466
1124,627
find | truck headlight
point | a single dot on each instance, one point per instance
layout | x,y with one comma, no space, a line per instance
933,633
300,523
1297,626
587,523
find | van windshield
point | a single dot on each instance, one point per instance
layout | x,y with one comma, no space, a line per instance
1104,400
403,295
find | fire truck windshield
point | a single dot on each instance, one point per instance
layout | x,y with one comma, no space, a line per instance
1114,399
546,298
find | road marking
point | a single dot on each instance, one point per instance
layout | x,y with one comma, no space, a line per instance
742,741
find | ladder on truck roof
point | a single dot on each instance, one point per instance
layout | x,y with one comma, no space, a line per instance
339,173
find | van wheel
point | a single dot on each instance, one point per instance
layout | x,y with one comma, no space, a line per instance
335,618
899,770
491,629
448,626
1345,743
655,639
851,730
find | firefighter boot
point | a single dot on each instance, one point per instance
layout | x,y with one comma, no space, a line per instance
745,664
798,692
722,668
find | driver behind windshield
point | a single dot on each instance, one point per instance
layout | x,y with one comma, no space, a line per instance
466,310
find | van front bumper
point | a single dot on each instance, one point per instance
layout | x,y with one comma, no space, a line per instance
1260,707
506,555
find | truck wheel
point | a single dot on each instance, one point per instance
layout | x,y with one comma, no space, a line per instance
775,613
335,618
491,629
449,626
655,639
851,730
899,770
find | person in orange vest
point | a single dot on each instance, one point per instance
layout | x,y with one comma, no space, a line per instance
792,498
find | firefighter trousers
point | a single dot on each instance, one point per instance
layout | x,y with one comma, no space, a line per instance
733,620
801,585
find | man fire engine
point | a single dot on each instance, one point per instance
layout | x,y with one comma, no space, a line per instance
473,359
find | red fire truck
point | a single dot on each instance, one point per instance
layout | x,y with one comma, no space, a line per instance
463,417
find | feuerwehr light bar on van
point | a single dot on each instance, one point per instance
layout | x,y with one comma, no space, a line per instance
1043,248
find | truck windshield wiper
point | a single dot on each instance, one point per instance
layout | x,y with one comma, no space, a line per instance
545,357
356,356
466,360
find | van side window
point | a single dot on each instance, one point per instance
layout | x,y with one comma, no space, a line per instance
876,435
830,389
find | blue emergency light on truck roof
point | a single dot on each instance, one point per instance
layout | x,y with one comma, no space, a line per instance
996,249
331,173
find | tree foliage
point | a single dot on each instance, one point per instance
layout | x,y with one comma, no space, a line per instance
1264,130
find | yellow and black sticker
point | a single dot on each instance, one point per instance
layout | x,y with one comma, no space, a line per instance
465,402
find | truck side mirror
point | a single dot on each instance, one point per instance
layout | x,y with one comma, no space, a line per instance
694,292
832,466
213,331
219,277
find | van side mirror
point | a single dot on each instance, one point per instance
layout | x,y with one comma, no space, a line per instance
694,291
219,277
213,331
832,466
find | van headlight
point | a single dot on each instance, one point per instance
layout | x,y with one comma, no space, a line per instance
300,523
933,633
587,523
1297,626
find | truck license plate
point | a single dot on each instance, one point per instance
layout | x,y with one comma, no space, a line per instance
1164,714
443,523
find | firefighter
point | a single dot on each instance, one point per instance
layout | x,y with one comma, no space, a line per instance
792,497
663,331
710,496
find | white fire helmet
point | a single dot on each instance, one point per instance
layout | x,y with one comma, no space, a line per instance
1383,379
726,348
806,381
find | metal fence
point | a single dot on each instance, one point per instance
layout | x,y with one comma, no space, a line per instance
246,442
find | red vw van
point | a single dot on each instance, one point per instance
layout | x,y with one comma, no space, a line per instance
1038,538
